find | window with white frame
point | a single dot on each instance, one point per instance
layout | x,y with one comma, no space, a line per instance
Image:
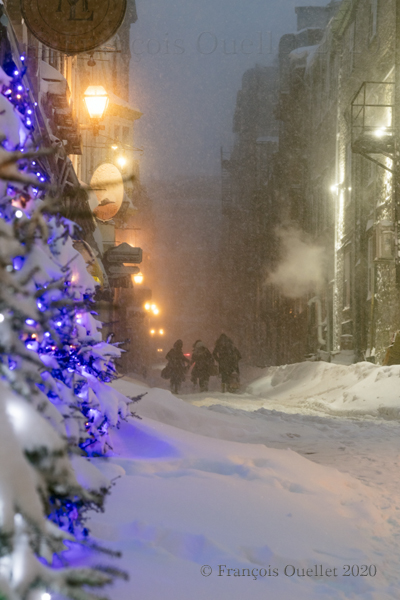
348,178
352,45
347,279
373,19
370,267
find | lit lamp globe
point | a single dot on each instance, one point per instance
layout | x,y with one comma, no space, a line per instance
138,278
121,162
96,100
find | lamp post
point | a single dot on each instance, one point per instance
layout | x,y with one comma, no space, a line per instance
96,100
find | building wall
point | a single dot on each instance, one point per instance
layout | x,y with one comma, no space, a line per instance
245,175
319,184
347,198
108,66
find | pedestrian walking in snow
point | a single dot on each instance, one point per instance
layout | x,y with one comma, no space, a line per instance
227,356
176,367
203,365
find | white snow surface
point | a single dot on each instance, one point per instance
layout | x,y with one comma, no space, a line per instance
297,472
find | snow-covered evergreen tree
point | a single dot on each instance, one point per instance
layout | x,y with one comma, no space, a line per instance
54,370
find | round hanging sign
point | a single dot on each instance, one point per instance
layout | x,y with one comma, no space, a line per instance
108,186
73,26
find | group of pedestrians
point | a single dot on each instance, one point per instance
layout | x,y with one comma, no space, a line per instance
223,361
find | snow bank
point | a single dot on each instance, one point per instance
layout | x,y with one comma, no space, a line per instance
359,389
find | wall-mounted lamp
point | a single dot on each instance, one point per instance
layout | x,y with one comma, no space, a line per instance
96,100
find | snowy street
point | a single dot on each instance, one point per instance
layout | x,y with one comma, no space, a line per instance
297,471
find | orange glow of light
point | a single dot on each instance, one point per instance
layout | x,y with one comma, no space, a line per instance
161,332
138,278
152,331
96,100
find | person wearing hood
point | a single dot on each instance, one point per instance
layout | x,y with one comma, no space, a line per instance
203,364
227,356
176,367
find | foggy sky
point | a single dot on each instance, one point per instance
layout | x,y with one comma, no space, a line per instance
184,77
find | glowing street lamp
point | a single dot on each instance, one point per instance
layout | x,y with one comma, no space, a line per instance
121,162
96,100
138,279
152,307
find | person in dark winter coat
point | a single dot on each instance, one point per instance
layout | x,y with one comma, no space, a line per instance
176,367
227,357
203,365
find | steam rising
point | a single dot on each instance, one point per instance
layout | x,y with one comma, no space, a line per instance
301,268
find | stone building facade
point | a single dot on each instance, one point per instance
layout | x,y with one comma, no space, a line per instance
349,198
58,83
244,176
331,182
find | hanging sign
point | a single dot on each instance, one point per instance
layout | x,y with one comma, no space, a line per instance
124,253
108,186
73,26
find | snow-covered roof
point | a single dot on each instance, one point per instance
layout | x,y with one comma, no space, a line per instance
306,53
128,110
52,80
49,73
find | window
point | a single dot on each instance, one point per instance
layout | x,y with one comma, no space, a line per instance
347,180
346,279
116,133
352,45
125,135
371,266
384,242
370,172
373,19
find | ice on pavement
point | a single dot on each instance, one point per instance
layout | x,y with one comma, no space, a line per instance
278,477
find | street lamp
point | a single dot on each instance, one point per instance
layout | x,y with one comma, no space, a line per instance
96,100
152,307
121,162
138,278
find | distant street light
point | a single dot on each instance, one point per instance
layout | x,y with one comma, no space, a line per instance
96,100
121,162
138,278
153,307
